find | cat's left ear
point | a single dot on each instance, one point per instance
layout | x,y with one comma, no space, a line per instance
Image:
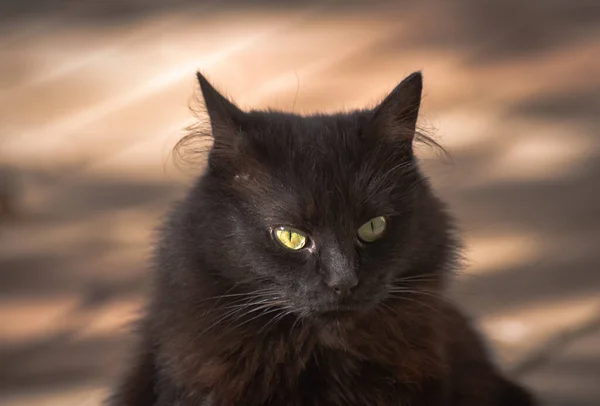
396,117
225,117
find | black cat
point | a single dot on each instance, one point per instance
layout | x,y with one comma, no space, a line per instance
307,266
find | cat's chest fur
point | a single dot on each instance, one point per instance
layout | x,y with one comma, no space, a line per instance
324,366
330,378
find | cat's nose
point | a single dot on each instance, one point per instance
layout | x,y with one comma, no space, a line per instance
339,268
343,284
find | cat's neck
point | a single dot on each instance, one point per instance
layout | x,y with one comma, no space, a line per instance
409,348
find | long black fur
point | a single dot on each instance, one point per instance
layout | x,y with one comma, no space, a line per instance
236,319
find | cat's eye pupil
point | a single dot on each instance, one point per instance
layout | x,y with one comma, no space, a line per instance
373,229
290,238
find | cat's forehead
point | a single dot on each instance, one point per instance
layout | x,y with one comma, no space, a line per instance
307,141
319,170
316,129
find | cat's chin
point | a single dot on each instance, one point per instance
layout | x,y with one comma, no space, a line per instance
336,314
333,327
340,313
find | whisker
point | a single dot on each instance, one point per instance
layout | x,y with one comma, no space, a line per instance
297,321
234,303
276,309
232,313
418,278
255,292
418,302
274,320
198,336
418,292
243,302
221,319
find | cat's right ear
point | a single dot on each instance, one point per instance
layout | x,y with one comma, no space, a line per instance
225,117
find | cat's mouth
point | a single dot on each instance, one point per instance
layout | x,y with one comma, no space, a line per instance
339,312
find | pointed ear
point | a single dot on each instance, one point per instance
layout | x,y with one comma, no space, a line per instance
225,117
396,117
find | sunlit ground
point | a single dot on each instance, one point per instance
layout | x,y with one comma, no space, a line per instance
90,108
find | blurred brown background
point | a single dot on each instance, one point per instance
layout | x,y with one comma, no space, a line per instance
94,94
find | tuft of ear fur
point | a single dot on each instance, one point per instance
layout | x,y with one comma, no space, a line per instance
225,117
220,134
395,119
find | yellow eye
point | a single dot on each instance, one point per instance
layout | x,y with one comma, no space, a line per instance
373,229
290,238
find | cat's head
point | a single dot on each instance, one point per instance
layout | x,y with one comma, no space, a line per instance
320,214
